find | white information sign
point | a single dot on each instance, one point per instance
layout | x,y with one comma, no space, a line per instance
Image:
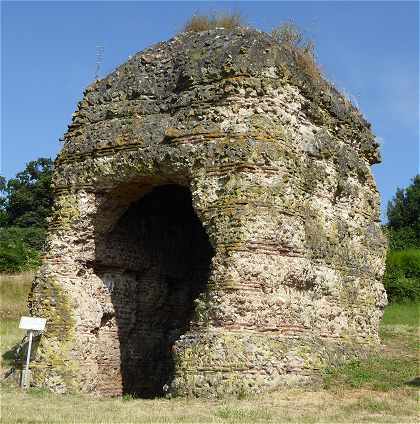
32,323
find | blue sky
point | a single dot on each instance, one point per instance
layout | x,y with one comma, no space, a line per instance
370,50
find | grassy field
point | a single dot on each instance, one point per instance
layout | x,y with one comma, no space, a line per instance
13,294
380,389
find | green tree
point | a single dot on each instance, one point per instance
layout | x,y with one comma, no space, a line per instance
3,213
27,198
404,217
25,204
20,248
402,275
404,209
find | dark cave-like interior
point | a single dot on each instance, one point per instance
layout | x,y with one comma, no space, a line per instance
157,260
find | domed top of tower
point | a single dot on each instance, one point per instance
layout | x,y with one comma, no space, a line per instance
187,83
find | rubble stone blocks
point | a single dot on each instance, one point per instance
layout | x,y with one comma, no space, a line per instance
215,229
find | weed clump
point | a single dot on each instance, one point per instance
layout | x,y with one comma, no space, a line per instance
198,23
291,37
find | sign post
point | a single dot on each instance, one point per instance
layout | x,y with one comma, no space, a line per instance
30,324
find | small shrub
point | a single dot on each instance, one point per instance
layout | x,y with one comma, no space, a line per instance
198,23
292,38
402,275
289,34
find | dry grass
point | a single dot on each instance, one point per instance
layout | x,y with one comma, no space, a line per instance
291,37
287,34
295,406
368,393
198,23
14,289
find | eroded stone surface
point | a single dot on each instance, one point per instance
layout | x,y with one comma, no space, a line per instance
216,226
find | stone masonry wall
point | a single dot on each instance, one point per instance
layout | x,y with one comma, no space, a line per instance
216,226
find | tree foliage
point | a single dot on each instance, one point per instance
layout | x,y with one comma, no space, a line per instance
404,216
3,213
402,275
27,198
20,248
25,204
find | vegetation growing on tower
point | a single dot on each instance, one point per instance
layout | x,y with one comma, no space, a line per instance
291,37
198,23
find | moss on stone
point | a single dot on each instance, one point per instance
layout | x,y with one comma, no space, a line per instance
65,210
278,164
48,300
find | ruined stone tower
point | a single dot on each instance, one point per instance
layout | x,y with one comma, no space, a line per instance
215,229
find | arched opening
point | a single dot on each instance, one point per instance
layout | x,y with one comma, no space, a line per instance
155,262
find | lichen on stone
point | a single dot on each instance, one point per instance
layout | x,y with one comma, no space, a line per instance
216,226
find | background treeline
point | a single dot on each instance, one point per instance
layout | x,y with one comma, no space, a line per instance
26,202
402,276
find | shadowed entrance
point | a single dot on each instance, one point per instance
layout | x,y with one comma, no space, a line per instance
155,261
